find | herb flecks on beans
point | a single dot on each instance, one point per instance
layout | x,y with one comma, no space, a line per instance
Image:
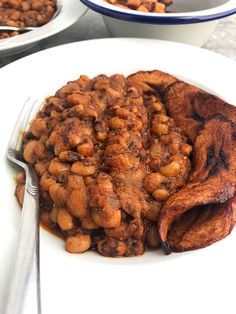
108,157
21,13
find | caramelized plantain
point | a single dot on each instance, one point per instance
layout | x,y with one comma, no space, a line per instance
201,227
203,211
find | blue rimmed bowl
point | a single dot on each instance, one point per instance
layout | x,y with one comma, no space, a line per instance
193,21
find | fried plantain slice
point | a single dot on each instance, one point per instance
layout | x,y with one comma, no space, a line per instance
212,179
201,227
191,107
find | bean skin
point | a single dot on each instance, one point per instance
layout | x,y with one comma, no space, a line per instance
64,219
83,170
78,244
107,217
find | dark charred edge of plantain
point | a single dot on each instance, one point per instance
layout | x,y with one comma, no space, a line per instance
234,135
216,162
157,87
166,90
166,247
162,92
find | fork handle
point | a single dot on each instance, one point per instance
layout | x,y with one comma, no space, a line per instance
27,256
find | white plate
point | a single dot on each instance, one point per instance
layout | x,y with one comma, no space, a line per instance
70,12
193,282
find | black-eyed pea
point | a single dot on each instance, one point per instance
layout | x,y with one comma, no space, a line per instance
171,170
105,182
83,81
160,195
38,127
122,161
49,10
163,118
133,3
159,7
86,148
101,136
68,89
112,247
123,113
88,223
78,203
54,214
64,219
78,244
11,23
36,5
58,194
156,106
46,181
153,181
88,180
84,170
56,167
69,156
107,217
74,182
116,123
90,113
41,19
142,8
25,5
41,167
186,149
160,129
40,150
113,93
135,247
34,150
75,140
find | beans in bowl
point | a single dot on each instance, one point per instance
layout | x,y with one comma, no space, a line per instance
108,157
154,6
22,13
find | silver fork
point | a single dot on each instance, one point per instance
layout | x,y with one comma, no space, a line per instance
29,28
27,253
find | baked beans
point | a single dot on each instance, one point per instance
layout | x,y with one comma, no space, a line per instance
154,6
108,157
21,13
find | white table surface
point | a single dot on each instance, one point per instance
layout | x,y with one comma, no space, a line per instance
91,26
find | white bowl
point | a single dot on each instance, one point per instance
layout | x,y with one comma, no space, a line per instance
193,23
71,11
